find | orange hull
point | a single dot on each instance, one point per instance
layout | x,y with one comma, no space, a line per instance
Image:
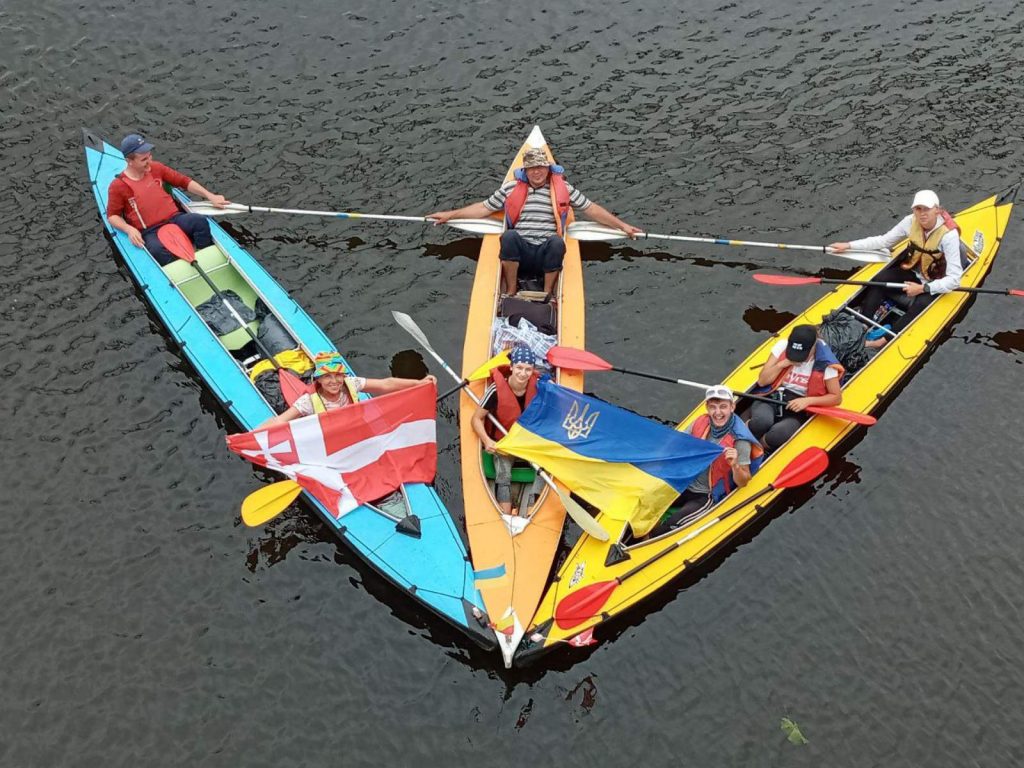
512,600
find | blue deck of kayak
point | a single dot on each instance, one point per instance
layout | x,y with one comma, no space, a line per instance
434,568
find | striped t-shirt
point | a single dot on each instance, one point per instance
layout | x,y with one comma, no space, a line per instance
537,219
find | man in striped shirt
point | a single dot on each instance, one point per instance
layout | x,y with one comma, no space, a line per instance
536,203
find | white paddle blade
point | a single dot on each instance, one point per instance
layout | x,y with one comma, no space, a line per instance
588,230
871,257
412,329
581,517
207,208
478,226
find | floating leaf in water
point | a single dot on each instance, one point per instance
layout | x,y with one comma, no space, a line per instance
792,731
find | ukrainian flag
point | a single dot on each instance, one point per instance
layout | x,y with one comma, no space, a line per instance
629,467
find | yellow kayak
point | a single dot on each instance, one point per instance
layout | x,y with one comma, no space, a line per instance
600,580
512,557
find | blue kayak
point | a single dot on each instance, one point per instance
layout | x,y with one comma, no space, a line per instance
409,537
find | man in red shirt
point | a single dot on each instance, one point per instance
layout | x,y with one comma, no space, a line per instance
138,205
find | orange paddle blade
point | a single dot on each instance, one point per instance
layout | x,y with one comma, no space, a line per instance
577,359
292,387
786,280
807,466
174,239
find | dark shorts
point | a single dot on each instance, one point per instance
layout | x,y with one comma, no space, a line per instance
533,259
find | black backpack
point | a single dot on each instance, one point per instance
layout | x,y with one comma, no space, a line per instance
844,335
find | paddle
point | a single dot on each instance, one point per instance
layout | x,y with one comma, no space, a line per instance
588,230
476,226
576,512
268,502
582,360
587,602
795,280
483,372
174,239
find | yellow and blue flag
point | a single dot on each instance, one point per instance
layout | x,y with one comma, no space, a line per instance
629,467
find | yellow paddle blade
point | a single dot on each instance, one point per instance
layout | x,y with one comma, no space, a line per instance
268,502
484,371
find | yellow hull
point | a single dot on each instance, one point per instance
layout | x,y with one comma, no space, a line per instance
983,225
511,600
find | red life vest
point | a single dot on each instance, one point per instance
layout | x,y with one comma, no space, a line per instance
720,473
148,201
560,205
508,411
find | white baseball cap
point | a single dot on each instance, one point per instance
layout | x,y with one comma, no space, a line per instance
718,392
927,198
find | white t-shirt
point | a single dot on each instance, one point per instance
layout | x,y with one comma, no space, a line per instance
304,404
798,374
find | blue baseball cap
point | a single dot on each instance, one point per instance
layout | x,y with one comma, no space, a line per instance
133,144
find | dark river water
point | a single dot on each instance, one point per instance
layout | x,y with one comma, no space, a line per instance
144,625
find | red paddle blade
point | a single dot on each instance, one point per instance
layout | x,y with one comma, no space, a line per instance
577,359
174,239
583,604
1015,292
292,387
842,413
786,280
803,469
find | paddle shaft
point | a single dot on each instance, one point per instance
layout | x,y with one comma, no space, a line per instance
695,384
723,241
694,534
336,214
606,233
475,226
964,289
452,391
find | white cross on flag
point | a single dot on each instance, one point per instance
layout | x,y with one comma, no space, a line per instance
352,455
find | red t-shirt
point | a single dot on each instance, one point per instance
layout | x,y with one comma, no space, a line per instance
131,199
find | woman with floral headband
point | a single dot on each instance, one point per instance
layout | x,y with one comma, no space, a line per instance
336,388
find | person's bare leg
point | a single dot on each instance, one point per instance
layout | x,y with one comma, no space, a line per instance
510,276
550,278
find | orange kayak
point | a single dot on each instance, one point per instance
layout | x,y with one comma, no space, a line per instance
512,555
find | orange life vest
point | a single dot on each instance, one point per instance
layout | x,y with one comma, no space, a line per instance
508,411
516,199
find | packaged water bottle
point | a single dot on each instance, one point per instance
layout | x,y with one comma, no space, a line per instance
883,311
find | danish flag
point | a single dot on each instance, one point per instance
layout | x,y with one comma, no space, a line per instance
348,456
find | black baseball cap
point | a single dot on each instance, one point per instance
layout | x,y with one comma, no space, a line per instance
801,343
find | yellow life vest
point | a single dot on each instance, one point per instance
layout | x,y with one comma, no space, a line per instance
925,253
318,402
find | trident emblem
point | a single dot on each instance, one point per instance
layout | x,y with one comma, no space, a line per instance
577,423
